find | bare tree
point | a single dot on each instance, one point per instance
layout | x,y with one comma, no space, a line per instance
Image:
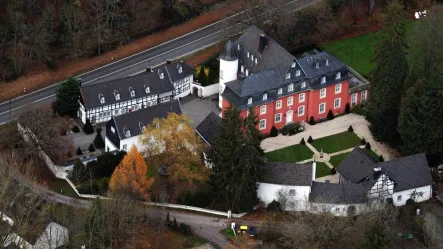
286,199
432,231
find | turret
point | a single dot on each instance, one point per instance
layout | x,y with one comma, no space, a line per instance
228,68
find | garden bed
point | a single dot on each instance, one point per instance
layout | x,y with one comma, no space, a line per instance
337,142
290,154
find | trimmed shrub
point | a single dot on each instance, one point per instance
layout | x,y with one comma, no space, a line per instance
312,121
333,171
99,143
274,206
368,146
330,115
310,140
347,108
79,151
350,129
91,148
363,141
87,128
75,129
284,130
381,159
274,132
302,142
293,128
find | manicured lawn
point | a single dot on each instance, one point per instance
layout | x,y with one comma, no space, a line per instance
357,51
336,160
291,154
62,187
321,170
227,232
337,142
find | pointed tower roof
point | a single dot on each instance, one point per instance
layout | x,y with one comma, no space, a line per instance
229,53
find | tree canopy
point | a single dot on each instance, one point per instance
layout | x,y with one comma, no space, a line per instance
68,94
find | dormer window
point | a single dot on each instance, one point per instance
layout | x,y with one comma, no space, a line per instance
132,92
288,76
249,101
317,65
293,64
238,47
291,88
265,96
297,73
161,74
242,69
252,57
117,95
101,98
323,79
303,84
256,61
180,69
338,76
327,62
142,127
247,54
247,72
148,89
128,133
280,91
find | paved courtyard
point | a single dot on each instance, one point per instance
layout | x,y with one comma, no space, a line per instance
83,140
198,108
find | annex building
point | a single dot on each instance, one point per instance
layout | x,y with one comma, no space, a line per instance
256,72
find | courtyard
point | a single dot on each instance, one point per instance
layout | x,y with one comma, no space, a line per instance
198,108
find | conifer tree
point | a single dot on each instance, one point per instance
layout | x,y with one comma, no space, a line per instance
211,78
99,143
374,238
68,94
202,76
388,76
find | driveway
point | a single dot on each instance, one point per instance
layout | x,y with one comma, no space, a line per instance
198,108
337,125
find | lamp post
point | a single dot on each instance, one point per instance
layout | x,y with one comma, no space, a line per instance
321,153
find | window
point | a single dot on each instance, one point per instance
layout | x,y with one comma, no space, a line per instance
252,57
297,73
290,101
291,192
363,95
148,89
323,79
337,103
247,54
301,110
338,76
323,93
291,88
265,96
125,147
256,61
262,109
301,98
327,62
337,209
398,198
303,84
280,91
127,133
102,99
317,65
262,124
112,129
288,76
249,101
116,112
278,104
180,69
242,69
321,108
132,93
117,96
247,113
338,88
354,99
247,72
293,64
278,118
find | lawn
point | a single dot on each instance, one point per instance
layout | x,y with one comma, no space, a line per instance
357,51
62,187
291,154
337,142
227,232
321,170
371,153
336,160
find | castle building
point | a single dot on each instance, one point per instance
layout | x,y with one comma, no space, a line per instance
256,72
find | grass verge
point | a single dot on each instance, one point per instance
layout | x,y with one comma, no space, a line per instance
337,142
290,154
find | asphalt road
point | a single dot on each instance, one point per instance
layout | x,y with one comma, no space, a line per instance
174,49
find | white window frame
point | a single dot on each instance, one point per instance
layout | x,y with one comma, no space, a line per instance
278,104
338,76
293,64
354,99
132,93
303,84
364,95
323,93
297,73
301,97
291,87
242,69
288,76
265,96
323,79
292,192
102,100
262,124
338,88
339,103
319,108
290,101
302,107
125,147
249,101
262,109
279,118
399,197
280,91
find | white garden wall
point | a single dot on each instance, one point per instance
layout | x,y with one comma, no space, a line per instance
205,91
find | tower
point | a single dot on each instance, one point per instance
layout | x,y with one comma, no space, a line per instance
228,68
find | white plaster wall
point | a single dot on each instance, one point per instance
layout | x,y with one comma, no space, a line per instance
131,141
110,145
183,94
382,190
268,192
228,72
406,194
337,209
206,91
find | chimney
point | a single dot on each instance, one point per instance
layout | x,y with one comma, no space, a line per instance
378,169
262,43
314,165
168,61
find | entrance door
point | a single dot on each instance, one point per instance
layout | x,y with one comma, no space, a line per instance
289,117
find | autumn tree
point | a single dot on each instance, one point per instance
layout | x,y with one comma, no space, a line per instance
172,145
130,176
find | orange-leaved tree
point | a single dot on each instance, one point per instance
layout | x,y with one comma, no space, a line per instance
172,145
130,176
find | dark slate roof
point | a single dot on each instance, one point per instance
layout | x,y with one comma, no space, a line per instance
357,166
337,193
229,53
133,121
408,172
90,93
291,174
209,127
309,62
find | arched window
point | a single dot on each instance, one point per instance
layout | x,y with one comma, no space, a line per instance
250,100
265,96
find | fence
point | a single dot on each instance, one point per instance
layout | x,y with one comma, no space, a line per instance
204,91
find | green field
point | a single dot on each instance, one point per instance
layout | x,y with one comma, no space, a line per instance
321,170
337,142
290,154
357,51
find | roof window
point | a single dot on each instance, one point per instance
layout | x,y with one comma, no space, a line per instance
250,100
323,79
101,98
288,76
